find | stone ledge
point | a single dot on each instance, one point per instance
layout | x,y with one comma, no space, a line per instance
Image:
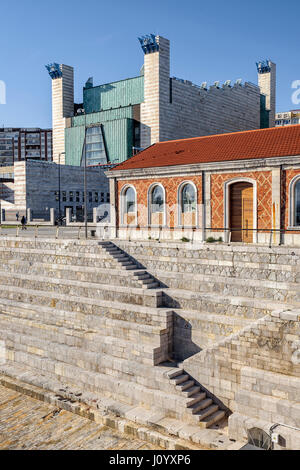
137,422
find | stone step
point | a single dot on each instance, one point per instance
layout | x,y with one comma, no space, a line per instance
152,285
174,373
178,379
212,419
71,400
127,263
253,307
130,267
194,399
111,276
151,298
191,391
146,280
65,256
281,291
84,334
201,405
82,307
142,275
112,348
120,257
76,380
205,412
214,253
185,385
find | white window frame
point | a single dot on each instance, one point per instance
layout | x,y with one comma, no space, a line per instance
149,197
292,185
123,205
179,202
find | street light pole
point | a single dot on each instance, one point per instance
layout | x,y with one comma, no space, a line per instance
59,191
85,190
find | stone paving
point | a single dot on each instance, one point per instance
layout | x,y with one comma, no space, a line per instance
28,424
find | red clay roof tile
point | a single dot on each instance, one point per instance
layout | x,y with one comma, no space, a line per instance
262,143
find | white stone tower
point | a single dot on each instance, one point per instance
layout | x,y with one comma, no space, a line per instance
156,88
267,84
62,105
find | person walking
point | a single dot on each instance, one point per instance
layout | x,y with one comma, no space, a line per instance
17,216
23,222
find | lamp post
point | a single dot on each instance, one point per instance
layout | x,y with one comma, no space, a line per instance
85,190
59,207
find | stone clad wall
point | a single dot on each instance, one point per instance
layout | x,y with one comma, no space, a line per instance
177,109
36,184
194,112
257,374
240,325
270,345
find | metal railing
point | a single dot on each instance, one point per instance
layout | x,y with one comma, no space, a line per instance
275,235
188,233
46,231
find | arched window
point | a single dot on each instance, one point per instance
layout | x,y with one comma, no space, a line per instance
157,205
129,206
297,203
187,205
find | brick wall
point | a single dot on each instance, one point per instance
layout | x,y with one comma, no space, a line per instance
171,187
264,197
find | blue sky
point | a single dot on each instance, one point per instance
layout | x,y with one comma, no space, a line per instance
210,40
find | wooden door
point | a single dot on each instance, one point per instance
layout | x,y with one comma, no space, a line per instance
241,212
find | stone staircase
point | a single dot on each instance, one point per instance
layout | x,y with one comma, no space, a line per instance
87,317
143,277
98,316
202,409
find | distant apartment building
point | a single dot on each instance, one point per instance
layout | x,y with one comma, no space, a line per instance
19,144
287,118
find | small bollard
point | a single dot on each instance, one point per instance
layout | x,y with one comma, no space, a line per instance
57,230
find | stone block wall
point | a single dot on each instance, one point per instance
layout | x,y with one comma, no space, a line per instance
194,112
62,108
36,186
177,109
256,373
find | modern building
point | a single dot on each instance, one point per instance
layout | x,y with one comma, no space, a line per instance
118,119
19,144
239,187
40,186
287,118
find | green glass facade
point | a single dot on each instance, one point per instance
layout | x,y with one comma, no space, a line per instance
112,106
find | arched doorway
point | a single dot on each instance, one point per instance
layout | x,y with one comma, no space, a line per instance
241,212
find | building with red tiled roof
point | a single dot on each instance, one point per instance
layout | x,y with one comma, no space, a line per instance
242,186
